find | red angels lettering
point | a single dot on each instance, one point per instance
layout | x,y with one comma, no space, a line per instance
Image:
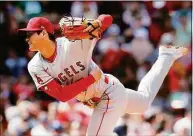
74,70
67,75
80,65
67,71
39,80
62,78
69,81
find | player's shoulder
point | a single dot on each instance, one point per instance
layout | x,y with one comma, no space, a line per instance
61,41
35,63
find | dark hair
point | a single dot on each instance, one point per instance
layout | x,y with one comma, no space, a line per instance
52,37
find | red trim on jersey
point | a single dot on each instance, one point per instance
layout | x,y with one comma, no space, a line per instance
106,21
106,79
65,93
103,115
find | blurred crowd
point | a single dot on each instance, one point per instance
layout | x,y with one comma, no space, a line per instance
127,49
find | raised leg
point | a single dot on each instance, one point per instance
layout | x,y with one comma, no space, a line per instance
139,101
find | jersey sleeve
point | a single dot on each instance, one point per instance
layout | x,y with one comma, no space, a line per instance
65,93
39,75
106,21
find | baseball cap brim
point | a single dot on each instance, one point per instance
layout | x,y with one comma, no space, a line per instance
29,29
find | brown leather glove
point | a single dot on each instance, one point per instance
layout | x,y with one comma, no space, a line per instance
74,28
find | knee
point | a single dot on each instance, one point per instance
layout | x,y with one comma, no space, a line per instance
145,104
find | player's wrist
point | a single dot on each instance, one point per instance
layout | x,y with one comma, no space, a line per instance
99,22
96,73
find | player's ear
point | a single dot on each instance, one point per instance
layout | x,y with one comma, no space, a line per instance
44,33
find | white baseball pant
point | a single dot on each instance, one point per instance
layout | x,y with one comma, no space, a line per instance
118,100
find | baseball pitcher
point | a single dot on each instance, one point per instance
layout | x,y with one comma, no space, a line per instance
63,68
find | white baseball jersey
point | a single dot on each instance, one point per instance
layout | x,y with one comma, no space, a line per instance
72,63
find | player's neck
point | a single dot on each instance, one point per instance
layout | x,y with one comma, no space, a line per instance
48,51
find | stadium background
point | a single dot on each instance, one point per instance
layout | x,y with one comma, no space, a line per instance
127,50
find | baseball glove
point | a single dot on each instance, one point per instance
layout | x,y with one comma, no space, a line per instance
74,28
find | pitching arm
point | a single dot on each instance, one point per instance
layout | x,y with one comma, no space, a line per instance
45,82
65,93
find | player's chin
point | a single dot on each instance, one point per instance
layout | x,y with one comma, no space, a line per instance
32,49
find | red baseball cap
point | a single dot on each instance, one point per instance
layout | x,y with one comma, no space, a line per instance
39,23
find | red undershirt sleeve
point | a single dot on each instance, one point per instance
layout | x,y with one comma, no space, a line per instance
65,93
106,21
